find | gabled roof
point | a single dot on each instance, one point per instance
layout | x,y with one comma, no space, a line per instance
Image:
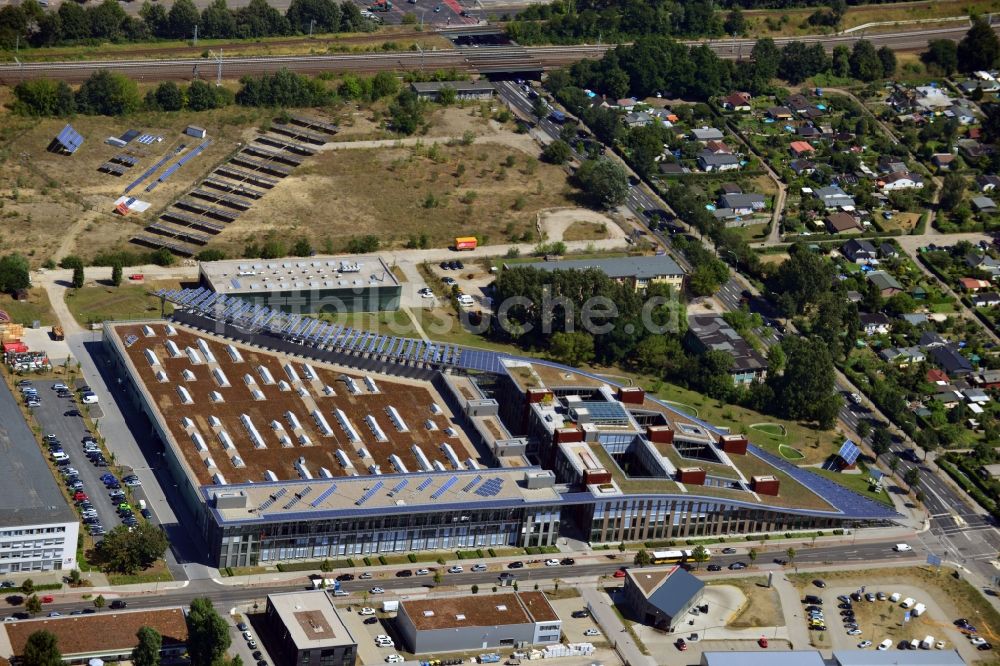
883,281
668,590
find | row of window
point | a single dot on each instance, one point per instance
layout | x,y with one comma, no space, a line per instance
37,543
34,530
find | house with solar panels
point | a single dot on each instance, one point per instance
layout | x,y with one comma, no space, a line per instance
292,438
307,284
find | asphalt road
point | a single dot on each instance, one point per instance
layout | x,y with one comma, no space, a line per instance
70,431
547,56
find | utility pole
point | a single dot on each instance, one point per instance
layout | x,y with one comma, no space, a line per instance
312,23
195,43
218,69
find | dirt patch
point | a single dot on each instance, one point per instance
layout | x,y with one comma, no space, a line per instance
399,193
577,224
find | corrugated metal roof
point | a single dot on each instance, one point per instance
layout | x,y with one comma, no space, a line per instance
763,658
893,657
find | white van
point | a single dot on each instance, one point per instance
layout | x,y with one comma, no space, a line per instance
885,645
908,602
89,398
901,548
59,455
894,597
465,301
927,643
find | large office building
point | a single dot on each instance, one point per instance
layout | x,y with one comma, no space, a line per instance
478,622
38,530
307,631
355,283
296,439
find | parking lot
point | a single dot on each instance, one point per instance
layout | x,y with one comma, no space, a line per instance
470,277
52,416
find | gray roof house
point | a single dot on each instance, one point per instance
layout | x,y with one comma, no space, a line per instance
706,134
949,360
712,332
833,196
984,205
709,161
660,597
638,271
885,283
743,204
859,251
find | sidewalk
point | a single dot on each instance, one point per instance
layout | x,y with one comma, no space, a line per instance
613,628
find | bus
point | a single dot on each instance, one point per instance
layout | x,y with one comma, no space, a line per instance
674,556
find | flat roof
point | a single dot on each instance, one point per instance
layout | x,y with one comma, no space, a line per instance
251,415
769,658
459,86
506,608
643,268
311,619
100,633
893,657
29,494
241,276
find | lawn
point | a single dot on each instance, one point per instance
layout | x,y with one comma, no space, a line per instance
36,308
398,193
762,607
856,482
97,303
752,232
584,231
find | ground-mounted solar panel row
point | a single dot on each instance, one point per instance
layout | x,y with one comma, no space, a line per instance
232,188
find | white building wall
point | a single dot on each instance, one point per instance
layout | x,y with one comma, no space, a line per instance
42,547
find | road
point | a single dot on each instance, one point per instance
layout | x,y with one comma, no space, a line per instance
547,56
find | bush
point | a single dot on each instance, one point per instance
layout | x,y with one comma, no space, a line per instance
283,88
363,245
412,558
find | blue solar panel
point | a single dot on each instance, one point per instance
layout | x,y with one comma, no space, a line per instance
369,493
426,482
849,452
323,495
443,489
373,343
471,484
331,333
69,139
399,486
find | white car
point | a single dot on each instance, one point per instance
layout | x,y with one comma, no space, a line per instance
479,567
247,636
884,645
551,563
426,293
376,590
422,572
367,610
939,645
864,645
394,659
977,640
456,569
382,638
854,632
591,632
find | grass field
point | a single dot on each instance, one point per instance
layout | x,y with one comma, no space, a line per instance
97,303
37,307
752,232
396,193
856,482
762,607
584,231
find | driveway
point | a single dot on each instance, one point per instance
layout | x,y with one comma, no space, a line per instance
607,619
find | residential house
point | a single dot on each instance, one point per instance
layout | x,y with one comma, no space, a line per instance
730,188
718,148
985,263
987,379
637,119
833,196
890,164
706,134
802,167
807,132
987,183
886,284
961,113
976,395
915,318
797,103
974,150
710,162
800,148
902,180
902,357
983,205
969,87
949,360
626,103
780,113
930,339
737,101
943,161
743,204
854,296
859,251
665,116
972,285
988,299
673,169
712,332
840,223
874,323
932,98
948,397
888,251
937,376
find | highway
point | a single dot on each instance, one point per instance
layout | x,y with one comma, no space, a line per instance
547,56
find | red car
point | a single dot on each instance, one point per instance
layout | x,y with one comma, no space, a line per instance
48,599
681,644
620,573
80,496
136,276
762,642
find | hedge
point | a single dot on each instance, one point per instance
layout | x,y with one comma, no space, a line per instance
969,487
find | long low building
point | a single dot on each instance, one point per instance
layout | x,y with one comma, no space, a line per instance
638,272
478,622
303,439
38,530
839,658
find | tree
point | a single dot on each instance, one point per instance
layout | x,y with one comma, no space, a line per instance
790,554
604,181
475,589
41,649
203,96
865,62
302,248
700,555
116,275
912,477
864,428
14,273
383,84
735,23
952,191
28,586
447,96
881,441
642,558
74,577
572,348
539,108
44,97
841,61
147,652
33,604
154,15
888,58
406,112
99,601
208,633
979,49
107,94
167,96
127,552
78,277
326,14
438,577
217,21
752,555
557,152
941,56
182,19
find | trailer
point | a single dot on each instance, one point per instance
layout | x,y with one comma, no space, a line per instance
466,243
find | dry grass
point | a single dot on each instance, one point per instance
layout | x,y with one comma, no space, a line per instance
395,193
762,607
99,302
584,231
37,307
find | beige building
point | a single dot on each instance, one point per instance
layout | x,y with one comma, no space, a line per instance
640,272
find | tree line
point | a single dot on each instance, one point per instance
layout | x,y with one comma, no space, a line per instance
28,23
575,21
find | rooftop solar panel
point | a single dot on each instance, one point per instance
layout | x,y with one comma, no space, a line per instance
444,488
399,486
426,482
471,484
323,495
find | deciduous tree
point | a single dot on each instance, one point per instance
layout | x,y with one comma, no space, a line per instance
208,633
147,651
41,649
